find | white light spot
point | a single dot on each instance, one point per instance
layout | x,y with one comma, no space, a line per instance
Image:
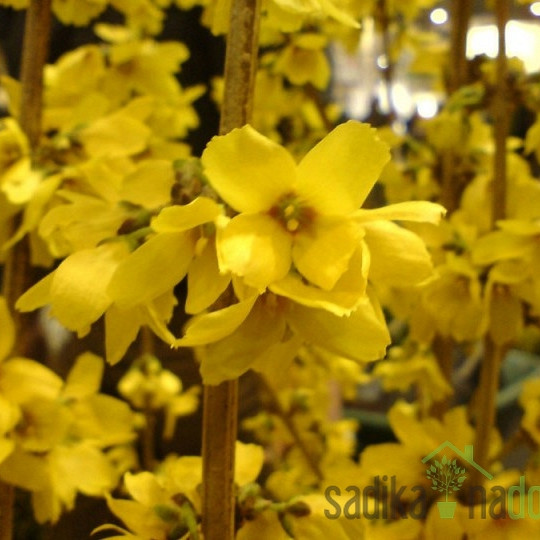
535,9
382,61
427,106
438,16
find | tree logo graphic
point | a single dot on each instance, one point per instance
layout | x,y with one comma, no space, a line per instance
446,477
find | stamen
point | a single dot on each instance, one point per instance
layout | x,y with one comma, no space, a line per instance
292,225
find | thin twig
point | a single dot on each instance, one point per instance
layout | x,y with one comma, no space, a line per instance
289,424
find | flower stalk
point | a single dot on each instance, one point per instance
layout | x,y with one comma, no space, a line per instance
493,353
220,408
460,15
16,268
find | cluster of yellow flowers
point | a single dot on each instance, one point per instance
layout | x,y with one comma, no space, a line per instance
286,274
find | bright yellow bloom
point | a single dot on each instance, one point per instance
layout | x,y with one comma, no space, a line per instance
170,499
303,61
78,12
292,213
266,331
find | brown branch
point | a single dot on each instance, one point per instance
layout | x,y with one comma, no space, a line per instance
16,268
220,410
493,353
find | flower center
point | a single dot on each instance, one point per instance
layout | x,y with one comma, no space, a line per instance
292,213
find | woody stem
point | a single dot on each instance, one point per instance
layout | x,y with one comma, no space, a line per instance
493,353
220,409
15,275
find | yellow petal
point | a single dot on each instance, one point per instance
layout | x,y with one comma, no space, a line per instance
505,314
79,285
103,421
20,181
181,218
255,247
34,209
121,329
150,184
144,488
336,241
500,245
214,326
84,378
404,211
7,330
249,461
87,468
249,171
205,282
24,379
336,176
399,257
114,136
152,269
37,296
143,520
233,355
25,470
342,299
360,336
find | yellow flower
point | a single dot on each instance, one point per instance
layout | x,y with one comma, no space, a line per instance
63,432
530,402
304,61
18,180
78,12
169,500
292,213
261,332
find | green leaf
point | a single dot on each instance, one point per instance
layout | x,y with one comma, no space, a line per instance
444,460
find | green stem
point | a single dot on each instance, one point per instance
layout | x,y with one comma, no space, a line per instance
220,409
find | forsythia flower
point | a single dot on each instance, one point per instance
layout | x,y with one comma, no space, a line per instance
168,502
292,213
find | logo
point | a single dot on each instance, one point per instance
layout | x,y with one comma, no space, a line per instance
447,469
447,475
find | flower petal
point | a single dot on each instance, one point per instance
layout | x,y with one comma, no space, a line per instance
121,329
342,299
399,257
362,336
152,269
336,176
424,211
7,335
210,327
249,171
78,290
336,240
249,462
256,248
205,283
181,218
235,354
